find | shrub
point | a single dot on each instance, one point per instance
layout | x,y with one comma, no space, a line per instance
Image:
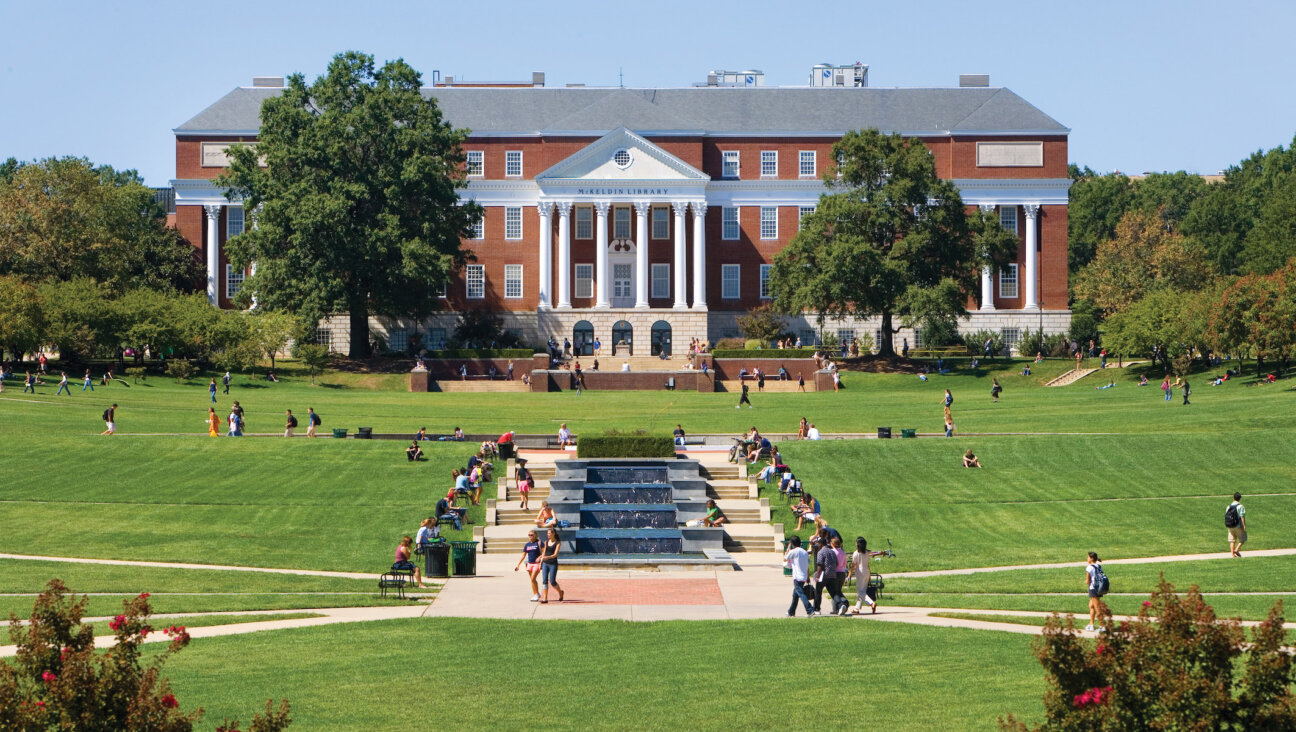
483,353
730,343
58,680
314,357
764,353
752,344
1172,668
179,369
938,331
761,324
137,372
618,445
976,342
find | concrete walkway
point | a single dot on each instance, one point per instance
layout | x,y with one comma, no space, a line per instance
1060,565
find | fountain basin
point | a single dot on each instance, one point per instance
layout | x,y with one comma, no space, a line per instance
628,516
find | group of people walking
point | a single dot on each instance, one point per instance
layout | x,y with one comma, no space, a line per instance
832,568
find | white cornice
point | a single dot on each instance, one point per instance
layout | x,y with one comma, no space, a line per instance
1013,191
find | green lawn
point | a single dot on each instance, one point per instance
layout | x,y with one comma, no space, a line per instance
615,675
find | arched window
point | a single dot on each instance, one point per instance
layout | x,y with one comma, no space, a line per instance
622,339
661,338
583,339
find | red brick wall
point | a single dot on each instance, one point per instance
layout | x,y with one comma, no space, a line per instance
627,381
189,155
728,368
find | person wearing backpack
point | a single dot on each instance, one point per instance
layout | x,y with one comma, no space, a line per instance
312,421
290,424
1098,585
1235,522
110,419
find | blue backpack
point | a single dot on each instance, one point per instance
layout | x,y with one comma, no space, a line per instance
1101,585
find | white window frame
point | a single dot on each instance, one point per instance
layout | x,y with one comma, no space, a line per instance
1010,337
479,227
730,164
802,212
513,164
764,282
513,223
513,281
584,280
769,163
660,223
807,164
769,222
730,227
233,281
442,289
475,163
1009,281
234,221
584,222
845,336
661,280
731,277
1008,218
475,282
620,222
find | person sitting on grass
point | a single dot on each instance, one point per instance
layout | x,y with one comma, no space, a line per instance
970,460
714,516
806,510
421,435
445,511
546,517
270,376
414,452
403,563
1026,370
1143,380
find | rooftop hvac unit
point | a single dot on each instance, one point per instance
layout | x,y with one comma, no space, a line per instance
849,75
966,80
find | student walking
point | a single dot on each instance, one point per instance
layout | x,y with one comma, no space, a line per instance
29,384
860,565
110,419
226,380
799,560
312,421
743,399
213,422
1235,522
63,387
212,389
825,576
291,424
1186,391
531,556
2,377
949,399
88,383
1096,581
549,564
995,390
1165,387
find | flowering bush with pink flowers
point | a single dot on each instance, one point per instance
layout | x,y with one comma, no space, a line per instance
58,681
1171,668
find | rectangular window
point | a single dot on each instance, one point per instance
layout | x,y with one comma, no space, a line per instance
1008,218
513,281
476,163
584,280
807,164
1010,337
661,280
479,227
397,340
729,219
769,222
621,222
436,338
845,336
769,163
1008,281
584,222
442,289
918,341
233,221
513,163
513,222
660,222
324,337
730,166
233,281
729,274
764,281
475,279
802,212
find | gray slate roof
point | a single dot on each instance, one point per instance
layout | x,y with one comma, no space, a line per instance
768,110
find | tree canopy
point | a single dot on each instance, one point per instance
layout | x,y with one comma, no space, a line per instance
888,238
355,208
1143,255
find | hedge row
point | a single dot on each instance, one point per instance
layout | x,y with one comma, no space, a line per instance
481,353
763,353
618,446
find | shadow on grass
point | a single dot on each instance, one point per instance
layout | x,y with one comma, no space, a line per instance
332,386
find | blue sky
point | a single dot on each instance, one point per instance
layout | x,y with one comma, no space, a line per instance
1143,85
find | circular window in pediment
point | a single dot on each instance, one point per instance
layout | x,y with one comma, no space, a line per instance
622,158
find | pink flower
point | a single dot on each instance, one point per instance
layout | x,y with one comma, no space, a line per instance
1099,650
144,595
117,622
40,704
48,677
1147,603
169,701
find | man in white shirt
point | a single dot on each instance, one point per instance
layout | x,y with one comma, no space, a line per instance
799,561
565,436
813,433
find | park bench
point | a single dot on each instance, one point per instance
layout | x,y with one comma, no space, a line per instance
395,579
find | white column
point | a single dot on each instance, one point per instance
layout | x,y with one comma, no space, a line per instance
699,255
213,252
642,211
546,256
681,263
1032,257
600,256
253,216
987,274
564,255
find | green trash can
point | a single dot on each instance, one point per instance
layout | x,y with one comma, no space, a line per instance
339,432
787,571
908,433
464,554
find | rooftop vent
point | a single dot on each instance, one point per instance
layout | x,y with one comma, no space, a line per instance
269,81
966,80
847,75
537,78
751,77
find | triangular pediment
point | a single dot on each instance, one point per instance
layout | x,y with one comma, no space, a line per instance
621,155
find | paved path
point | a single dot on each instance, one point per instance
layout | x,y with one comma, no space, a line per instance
1135,560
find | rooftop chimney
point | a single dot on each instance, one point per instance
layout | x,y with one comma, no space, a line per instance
268,81
966,80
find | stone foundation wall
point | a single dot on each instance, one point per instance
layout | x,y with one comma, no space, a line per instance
623,381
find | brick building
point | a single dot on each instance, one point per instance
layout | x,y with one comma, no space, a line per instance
652,215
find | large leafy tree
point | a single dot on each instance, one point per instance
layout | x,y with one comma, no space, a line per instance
64,218
1142,256
22,317
356,203
889,238
1256,313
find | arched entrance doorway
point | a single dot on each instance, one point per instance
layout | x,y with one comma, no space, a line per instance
622,341
583,339
661,338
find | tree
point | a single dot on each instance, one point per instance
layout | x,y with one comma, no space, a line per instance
1143,255
1095,205
58,680
761,324
22,317
79,317
481,329
1257,312
64,218
1170,669
272,330
1169,322
315,357
887,235
357,208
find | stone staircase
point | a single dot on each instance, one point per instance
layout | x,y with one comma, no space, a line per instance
1074,375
